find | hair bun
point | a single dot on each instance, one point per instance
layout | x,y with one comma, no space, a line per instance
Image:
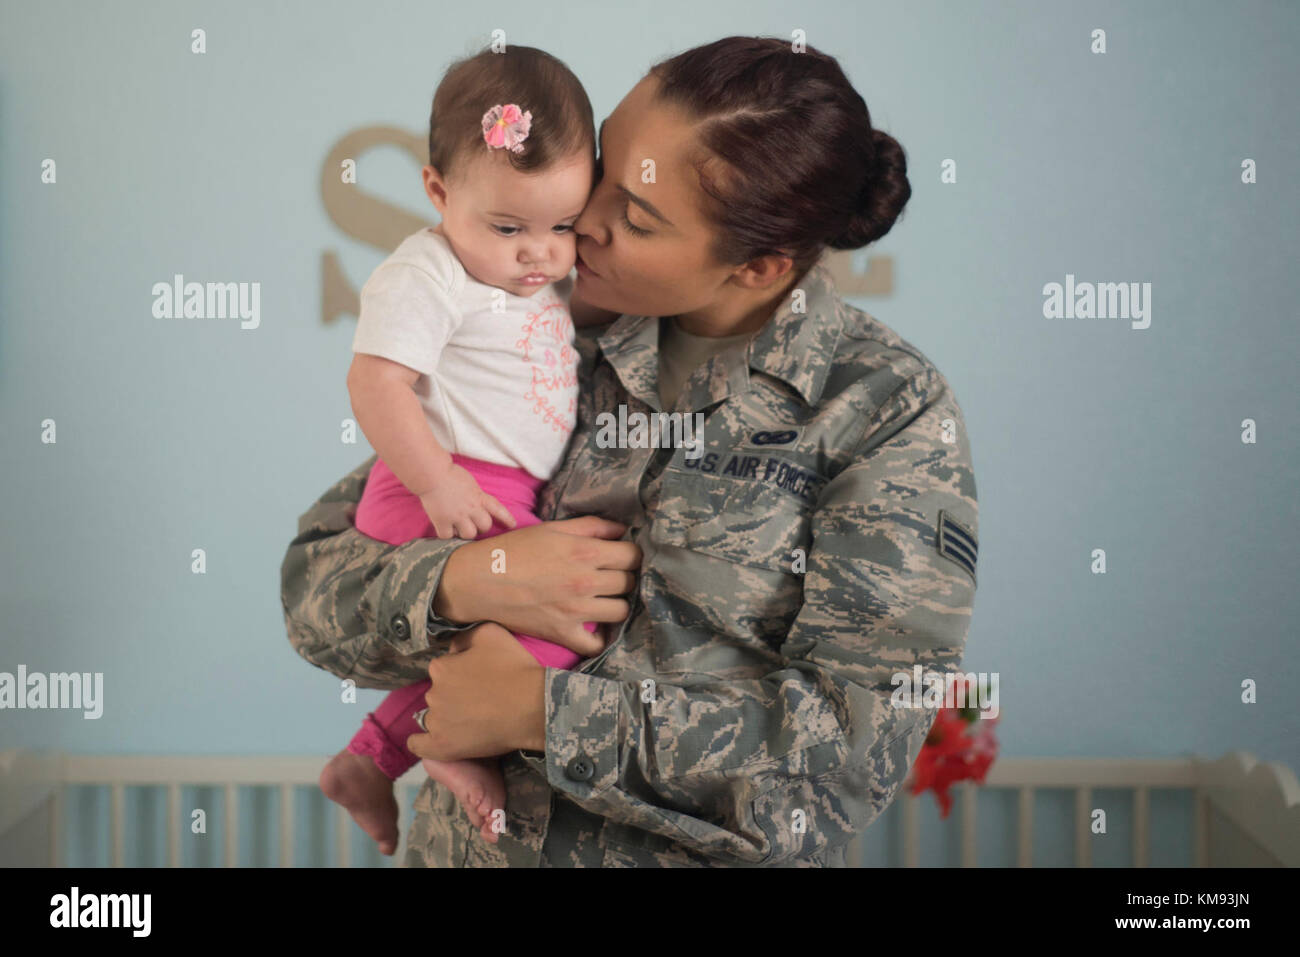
884,194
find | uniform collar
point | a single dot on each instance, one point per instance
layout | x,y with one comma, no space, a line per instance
793,346
796,347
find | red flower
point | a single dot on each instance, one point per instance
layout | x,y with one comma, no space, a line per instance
960,746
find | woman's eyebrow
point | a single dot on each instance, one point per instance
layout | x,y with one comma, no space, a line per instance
645,204
632,197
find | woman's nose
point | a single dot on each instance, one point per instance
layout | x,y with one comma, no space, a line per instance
588,224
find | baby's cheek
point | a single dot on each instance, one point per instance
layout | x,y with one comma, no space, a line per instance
569,251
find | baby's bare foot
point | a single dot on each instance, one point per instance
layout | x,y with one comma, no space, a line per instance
354,781
478,786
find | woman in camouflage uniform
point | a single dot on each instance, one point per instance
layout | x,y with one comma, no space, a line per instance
760,593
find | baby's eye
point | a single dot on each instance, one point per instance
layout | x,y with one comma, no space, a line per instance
501,230
562,229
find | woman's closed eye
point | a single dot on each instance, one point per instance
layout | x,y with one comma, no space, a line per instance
630,226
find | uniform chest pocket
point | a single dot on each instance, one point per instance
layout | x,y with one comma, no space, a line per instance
725,575
762,521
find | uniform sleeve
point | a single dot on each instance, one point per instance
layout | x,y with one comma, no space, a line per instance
357,607
773,770
408,314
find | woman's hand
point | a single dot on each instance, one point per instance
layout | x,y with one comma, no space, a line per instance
487,698
546,581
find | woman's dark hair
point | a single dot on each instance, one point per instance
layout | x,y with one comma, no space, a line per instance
802,167
539,83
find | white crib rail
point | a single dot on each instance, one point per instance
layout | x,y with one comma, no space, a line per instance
1028,775
1260,800
27,779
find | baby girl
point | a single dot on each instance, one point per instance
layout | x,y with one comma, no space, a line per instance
464,377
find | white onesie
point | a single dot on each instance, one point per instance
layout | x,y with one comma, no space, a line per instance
498,384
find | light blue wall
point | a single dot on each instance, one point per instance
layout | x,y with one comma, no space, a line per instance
1086,434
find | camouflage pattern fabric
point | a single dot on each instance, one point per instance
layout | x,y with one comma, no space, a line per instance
741,715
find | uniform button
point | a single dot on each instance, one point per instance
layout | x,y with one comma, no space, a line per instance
580,768
401,627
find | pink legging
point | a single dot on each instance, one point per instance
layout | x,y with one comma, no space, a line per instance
390,513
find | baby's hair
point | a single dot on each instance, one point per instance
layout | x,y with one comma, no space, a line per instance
562,122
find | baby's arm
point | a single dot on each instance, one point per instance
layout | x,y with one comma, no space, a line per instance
390,415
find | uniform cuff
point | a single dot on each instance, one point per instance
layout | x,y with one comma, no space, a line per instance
435,626
584,721
405,612
438,627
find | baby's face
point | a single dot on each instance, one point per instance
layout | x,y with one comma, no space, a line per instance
510,229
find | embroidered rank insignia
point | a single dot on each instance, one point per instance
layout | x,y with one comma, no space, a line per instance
958,543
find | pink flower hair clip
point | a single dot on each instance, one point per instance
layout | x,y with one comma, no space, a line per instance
506,127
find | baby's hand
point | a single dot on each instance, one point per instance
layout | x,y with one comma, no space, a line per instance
458,508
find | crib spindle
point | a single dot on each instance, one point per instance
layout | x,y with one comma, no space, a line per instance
1200,829
968,850
56,826
173,825
911,832
117,813
1082,844
405,799
1025,828
341,836
1141,825
286,825
232,825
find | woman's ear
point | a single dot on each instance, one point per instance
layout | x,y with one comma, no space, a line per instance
763,271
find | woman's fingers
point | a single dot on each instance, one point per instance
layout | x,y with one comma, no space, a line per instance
603,609
623,556
592,552
586,643
614,582
592,525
